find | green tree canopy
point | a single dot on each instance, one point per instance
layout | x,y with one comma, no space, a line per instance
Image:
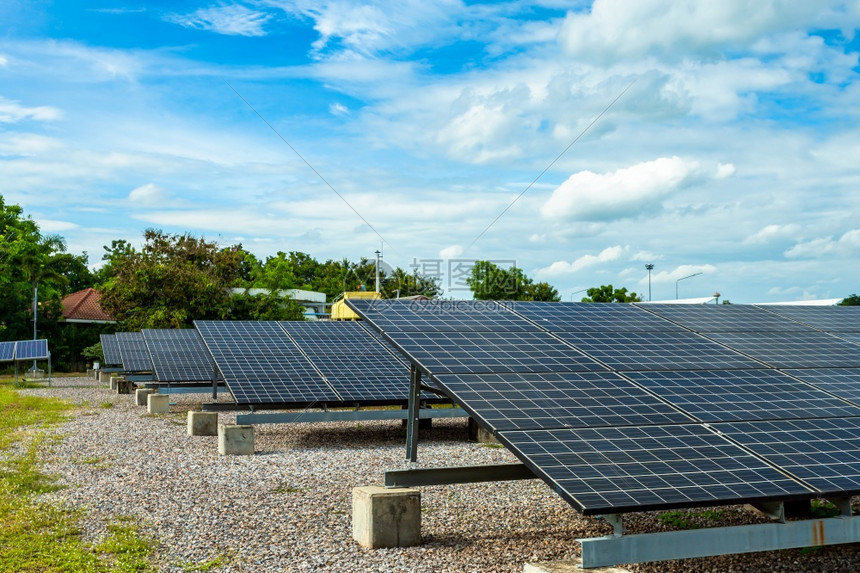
607,293
852,300
488,281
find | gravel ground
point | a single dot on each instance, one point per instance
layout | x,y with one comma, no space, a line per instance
287,508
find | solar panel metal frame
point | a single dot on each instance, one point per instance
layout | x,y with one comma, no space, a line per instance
132,349
110,350
179,356
32,349
262,366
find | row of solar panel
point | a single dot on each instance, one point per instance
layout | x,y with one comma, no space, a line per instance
24,350
287,363
619,412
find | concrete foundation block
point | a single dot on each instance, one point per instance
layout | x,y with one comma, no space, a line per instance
235,440
140,395
158,403
124,386
479,434
386,517
113,381
104,377
202,423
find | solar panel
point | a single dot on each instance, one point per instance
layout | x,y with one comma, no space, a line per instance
357,364
612,470
441,315
843,382
7,351
514,401
628,351
490,352
132,349
261,365
725,318
825,453
32,350
591,317
729,395
792,349
110,348
852,337
826,318
178,355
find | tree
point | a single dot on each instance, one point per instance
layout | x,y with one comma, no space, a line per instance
853,300
401,283
491,282
606,293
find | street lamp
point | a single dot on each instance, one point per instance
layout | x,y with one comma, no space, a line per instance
683,278
575,292
717,297
650,267
377,270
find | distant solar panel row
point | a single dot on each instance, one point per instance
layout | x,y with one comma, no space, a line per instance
133,352
178,355
628,440
24,350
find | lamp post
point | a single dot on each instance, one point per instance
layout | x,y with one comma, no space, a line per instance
650,267
717,297
377,270
575,292
683,278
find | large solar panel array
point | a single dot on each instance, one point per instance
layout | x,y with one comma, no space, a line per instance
178,355
133,352
110,349
679,406
24,350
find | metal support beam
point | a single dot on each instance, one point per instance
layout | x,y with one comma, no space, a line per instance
345,416
183,389
451,475
214,380
641,548
412,417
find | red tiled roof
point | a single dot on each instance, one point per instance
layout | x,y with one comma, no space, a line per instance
84,305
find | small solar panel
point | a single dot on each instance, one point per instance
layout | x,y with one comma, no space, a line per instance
729,395
178,355
32,350
826,318
843,382
627,468
792,349
592,317
132,349
7,351
110,348
490,352
516,401
629,351
725,318
261,365
441,315
359,366
825,453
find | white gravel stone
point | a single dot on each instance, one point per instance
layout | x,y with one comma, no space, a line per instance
287,508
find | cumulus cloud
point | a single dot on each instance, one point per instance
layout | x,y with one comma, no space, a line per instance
619,194
477,133
27,145
451,252
615,29
55,226
13,112
149,194
559,268
846,245
772,233
229,20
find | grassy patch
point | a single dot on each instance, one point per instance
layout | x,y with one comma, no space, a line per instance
690,519
208,565
284,488
106,405
824,508
125,548
494,446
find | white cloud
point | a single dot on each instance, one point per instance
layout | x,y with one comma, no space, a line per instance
846,245
229,20
3,60
13,112
724,170
27,145
619,194
149,194
451,252
772,233
338,109
54,226
559,268
477,132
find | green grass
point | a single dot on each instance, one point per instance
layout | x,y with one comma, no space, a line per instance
106,405
688,519
208,565
40,537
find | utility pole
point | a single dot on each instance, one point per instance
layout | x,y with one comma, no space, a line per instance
650,267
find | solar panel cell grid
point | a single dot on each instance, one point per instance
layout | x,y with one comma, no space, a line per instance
612,470
7,351
725,318
31,349
441,316
792,349
843,382
132,348
729,395
110,349
584,317
531,401
178,355
826,318
632,351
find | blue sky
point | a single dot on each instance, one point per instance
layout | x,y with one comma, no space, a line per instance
734,151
